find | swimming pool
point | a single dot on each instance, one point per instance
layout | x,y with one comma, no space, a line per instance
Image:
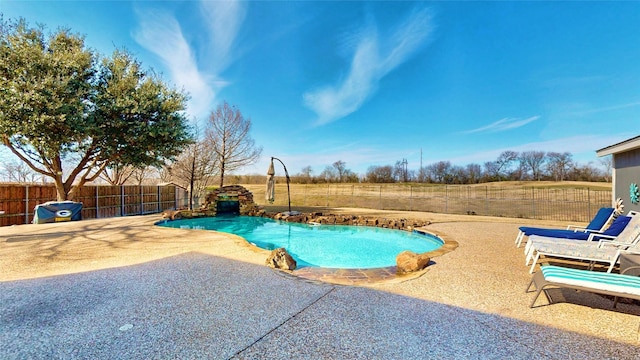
329,246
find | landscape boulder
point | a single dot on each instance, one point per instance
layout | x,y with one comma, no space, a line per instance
172,214
408,262
280,259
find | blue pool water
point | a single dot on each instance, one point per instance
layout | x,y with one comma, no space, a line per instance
330,246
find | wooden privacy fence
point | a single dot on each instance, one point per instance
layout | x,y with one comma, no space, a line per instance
562,204
17,202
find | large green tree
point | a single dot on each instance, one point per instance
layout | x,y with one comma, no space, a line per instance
68,113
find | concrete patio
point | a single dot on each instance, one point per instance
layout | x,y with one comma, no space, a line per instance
122,288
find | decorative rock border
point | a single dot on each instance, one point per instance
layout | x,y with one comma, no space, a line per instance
356,220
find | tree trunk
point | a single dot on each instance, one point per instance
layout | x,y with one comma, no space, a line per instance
61,196
191,182
61,193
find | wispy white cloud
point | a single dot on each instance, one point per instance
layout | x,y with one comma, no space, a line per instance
223,19
503,125
604,109
160,33
374,57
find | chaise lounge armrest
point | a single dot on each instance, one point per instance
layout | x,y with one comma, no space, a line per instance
577,228
620,244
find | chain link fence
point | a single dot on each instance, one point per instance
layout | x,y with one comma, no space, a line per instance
562,204
17,202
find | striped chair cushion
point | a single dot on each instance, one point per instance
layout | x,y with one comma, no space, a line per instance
609,282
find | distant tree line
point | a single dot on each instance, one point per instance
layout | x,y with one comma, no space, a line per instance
509,166
199,165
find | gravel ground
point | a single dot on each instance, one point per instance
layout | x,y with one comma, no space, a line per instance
125,289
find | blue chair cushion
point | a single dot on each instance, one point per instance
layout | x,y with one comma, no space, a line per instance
617,226
600,219
555,233
613,230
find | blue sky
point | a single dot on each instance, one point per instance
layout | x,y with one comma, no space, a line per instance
372,83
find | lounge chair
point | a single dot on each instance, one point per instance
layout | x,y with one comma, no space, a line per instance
618,285
618,225
597,224
605,250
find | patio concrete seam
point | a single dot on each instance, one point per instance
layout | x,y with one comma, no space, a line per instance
284,322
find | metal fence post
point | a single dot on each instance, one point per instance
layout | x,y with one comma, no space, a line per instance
26,204
533,201
328,194
486,200
446,200
353,198
122,200
410,197
588,202
468,197
97,202
159,207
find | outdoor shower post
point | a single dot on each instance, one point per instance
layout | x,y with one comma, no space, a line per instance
288,180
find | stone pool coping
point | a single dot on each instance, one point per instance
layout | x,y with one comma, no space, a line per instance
356,277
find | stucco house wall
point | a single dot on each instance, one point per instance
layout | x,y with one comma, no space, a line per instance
626,169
